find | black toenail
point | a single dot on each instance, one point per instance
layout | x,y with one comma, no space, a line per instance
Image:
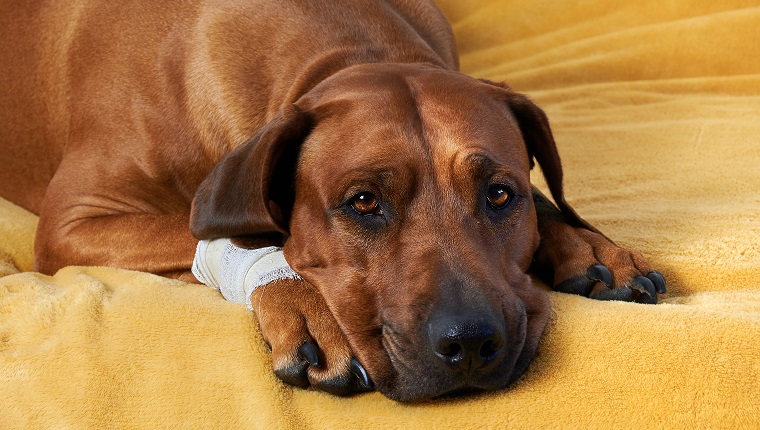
600,273
309,352
644,286
361,373
658,280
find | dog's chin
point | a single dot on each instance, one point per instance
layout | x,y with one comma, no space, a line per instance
419,387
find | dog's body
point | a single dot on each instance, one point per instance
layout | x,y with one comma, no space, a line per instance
398,186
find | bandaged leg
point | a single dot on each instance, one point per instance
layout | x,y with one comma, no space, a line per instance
237,272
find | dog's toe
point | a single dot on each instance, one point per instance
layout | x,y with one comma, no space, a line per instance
639,290
294,373
624,294
584,284
659,281
645,287
346,381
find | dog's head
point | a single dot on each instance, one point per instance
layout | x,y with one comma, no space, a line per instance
403,194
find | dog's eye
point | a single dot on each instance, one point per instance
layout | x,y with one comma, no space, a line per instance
498,196
366,203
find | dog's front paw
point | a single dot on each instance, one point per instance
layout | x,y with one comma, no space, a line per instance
587,263
308,347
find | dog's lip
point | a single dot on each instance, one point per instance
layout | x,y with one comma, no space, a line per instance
451,390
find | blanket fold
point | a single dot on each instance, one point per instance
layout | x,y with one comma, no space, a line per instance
656,110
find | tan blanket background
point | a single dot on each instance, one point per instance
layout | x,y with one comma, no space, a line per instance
656,110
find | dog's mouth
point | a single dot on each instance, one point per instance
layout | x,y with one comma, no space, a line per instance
467,358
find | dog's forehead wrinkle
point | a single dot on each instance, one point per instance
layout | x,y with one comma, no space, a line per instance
421,141
452,129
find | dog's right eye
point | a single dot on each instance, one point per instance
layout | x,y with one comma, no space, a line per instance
366,203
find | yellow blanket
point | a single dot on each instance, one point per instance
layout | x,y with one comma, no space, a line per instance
656,110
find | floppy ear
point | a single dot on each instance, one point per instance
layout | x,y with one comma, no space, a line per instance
534,126
249,193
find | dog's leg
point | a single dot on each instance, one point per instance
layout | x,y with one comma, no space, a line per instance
102,209
580,261
308,347
156,243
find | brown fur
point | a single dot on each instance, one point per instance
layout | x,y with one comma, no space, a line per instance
126,122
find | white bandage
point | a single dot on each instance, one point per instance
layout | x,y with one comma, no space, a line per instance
237,272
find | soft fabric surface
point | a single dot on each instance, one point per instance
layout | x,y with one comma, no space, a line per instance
656,110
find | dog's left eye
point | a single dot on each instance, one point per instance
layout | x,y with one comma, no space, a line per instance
366,203
498,196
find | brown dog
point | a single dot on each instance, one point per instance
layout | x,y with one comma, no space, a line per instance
398,186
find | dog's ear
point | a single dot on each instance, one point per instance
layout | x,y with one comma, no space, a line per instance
249,193
534,126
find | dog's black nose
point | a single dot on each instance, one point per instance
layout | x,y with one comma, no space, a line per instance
466,344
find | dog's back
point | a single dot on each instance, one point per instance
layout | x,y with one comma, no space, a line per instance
29,113
212,72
